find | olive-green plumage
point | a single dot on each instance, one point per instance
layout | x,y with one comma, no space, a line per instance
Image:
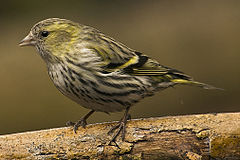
97,71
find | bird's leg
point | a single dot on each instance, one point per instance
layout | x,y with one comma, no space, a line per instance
121,126
82,122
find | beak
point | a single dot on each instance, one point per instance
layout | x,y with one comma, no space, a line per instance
27,41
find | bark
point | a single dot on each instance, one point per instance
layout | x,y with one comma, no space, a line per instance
194,137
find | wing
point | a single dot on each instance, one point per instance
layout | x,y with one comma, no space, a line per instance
142,65
118,57
112,53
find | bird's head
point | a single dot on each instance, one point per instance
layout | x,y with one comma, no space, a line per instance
53,37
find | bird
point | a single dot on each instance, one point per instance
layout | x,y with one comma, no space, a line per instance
99,72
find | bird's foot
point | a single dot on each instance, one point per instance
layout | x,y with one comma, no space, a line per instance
120,127
82,122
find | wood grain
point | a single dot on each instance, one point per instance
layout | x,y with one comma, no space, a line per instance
194,137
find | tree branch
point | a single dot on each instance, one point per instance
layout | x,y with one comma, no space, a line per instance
194,137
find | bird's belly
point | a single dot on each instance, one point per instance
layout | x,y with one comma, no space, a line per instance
106,94
84,96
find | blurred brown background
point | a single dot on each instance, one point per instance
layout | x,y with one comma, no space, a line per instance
200,38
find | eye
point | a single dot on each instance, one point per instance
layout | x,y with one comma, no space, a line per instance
44,33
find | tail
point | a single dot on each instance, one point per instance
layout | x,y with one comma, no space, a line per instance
194,83
179,77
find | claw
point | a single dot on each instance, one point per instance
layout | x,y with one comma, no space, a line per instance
70,124
113,128
82,122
